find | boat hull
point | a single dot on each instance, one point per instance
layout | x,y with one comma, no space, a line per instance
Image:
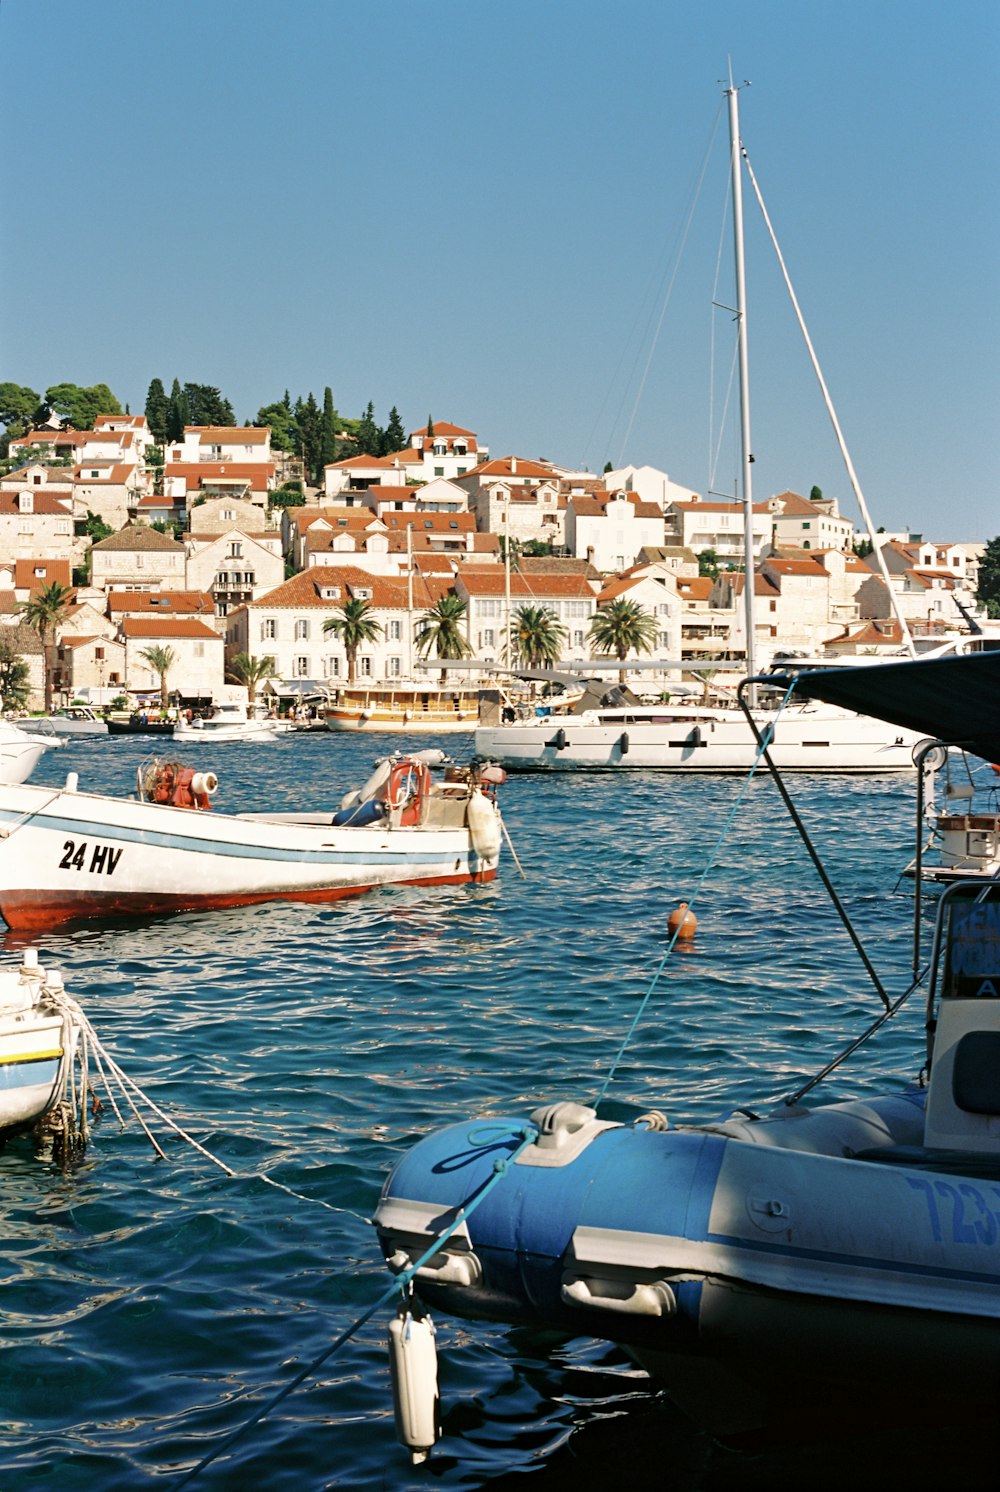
32,1061
710,1257
69,857
812,742
400,723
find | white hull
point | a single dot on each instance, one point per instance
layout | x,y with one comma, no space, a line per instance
68,856
186,735
401,724
810,738
20,752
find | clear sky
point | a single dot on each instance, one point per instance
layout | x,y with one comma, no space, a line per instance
475,211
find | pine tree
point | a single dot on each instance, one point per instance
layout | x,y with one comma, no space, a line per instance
395,435
368,433
157,411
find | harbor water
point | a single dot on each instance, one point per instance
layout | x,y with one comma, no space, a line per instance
150,1307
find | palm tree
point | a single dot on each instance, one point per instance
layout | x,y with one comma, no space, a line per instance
439,628
251,671
45,612
161,661
622,627
355,625
537,635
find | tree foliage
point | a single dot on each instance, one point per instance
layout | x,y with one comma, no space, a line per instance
157,411
161,661
18,407
439,629
537,635
988,590
252,672
356,625
45,612
708,564
15,678
81,406
623,627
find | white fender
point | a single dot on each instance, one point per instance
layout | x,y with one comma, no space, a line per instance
372,787
484,826
413,1369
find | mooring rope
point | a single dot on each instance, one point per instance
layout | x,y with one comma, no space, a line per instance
762,746
528,1134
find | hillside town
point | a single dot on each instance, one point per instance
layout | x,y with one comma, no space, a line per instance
204,579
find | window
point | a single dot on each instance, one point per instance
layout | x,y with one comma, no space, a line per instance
663,639
395,631
578,639
138,562
199,650
393,667
487,608
331,667
98,655
487,638
365,667
302,630
268,629
439,471
300,668
235,549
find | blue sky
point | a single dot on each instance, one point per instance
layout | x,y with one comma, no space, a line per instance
474,211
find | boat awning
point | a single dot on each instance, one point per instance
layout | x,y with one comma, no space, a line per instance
299,688
954,699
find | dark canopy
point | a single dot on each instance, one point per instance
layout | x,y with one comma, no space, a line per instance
954,699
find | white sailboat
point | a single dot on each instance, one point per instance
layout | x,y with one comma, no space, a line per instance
613,729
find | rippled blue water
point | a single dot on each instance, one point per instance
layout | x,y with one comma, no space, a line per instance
150,1307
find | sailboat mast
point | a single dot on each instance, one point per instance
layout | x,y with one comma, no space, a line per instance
744,366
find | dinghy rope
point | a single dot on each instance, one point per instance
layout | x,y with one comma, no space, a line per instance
524,1135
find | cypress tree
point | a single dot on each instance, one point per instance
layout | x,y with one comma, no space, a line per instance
176,415
368,433
157,411
328,437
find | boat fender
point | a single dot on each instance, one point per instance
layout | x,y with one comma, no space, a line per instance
484,826
413,1370
204,785
558,740
372,788
495,776
431,756
694,739
623,743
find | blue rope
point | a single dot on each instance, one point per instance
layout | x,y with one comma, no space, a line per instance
761,748
501,1165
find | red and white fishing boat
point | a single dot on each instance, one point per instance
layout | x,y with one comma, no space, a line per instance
68,856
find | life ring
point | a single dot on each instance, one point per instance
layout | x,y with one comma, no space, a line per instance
409,783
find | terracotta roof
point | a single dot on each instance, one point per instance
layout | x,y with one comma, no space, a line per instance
513,466
441,427
492,582
104,471
136,421
687,506
363,463
161,602
256,473
431,522
884,632
138,536
41,503
53,571
587,506
796,567
305,588
342,517
694,587
167,626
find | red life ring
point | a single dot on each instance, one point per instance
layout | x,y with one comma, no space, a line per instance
409,782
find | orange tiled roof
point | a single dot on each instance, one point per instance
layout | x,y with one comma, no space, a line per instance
166,626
